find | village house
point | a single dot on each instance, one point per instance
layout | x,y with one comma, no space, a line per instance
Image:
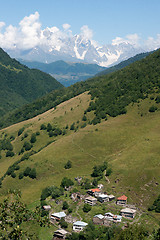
76,196
90,200
94,192
79,226
109,216
111,197
121,200
117,218
103,198
47,207
60,234
128,212
58,216
98,219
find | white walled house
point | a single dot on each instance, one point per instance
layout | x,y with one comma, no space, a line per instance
79,226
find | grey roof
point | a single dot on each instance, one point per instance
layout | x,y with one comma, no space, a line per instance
109,213
59,214
80,223
62,231
103,195
100,216
128,210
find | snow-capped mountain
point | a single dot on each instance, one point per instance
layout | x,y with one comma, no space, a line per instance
76,48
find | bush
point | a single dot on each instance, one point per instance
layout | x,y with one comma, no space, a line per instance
20,131
33,138
27,171
152,109
51,133
43,127
9,154
84,118
21,175
65,205
49,127
63,223
13,175
72,127
33,173
108,172
68,165
86,208
66,182
27,146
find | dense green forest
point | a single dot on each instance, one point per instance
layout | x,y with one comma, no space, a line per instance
110,93
21,85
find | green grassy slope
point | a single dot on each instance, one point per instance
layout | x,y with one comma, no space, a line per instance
130,143
20,85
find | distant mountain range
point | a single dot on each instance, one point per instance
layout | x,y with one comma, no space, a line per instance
66,73
21,85
77,48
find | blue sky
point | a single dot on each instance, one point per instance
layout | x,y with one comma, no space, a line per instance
107,19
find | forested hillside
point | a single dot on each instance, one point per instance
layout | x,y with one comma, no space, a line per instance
66,73
111,93
20,85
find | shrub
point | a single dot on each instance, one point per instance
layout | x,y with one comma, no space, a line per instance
108,172
21,175
86,208
20,131
72,127
49,127
33,173
13,175
63,223
43,127
84,118
27,171
33,138
9,154
68,165
66,182
51,134
37,133
65,205
152,108
27,146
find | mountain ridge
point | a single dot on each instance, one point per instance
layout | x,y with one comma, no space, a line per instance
23,84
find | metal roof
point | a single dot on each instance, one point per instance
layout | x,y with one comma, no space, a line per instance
80,223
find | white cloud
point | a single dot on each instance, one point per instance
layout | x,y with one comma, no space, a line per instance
2,24
66,26
153,44
86,32
132,39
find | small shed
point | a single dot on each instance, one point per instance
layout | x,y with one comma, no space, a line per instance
58,216
47,207
60,234
128,212
121,200
90,200
98,219
79,226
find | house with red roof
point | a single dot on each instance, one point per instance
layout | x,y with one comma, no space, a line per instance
94,191
122,200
